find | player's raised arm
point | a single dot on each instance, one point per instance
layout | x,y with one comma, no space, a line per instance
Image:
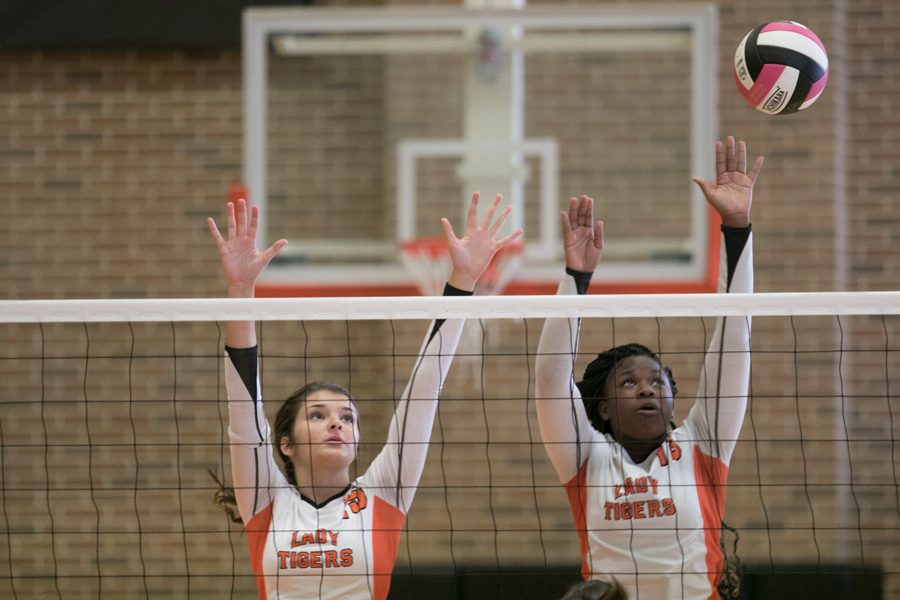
254,471
564,424
403,458
724,382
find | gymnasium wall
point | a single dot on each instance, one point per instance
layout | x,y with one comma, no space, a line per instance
112,161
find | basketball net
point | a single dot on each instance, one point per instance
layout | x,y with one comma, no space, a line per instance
427,260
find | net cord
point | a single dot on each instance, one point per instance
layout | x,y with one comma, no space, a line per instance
397,308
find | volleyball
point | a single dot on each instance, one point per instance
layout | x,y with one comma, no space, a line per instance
781,67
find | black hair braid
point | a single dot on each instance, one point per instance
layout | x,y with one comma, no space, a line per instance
593,385
729,586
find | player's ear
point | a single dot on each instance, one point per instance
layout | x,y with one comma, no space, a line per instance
603,409
287,448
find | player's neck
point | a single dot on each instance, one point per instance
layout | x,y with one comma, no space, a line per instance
321,484
639,450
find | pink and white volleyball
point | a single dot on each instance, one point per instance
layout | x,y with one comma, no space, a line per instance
781,67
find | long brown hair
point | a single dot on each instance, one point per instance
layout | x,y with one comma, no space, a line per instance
224,496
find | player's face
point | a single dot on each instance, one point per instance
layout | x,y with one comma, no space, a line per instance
638,403
326,430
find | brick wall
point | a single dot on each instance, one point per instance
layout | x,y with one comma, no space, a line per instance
113,160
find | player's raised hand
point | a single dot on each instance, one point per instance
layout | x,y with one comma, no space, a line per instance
732,193
242,263
582,236
472,253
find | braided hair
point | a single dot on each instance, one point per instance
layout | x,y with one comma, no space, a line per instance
595,589
593,391
593,385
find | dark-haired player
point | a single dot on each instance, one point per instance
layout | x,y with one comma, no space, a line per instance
312,531
648,497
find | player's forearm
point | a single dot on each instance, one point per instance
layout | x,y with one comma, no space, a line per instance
410,428
253,469
725,380
561,416
414,415
240,334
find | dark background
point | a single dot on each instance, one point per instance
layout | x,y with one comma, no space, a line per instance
114,24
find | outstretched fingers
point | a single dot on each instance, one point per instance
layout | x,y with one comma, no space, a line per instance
217,236
730,156
231,225
500,220
566,225
720,159
489,215
241,217
448,230
598,235
254,222
272,251
586,212
742,156
755,169
507,239
472,214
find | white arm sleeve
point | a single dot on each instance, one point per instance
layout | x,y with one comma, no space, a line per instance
565,427
253,469
397,468
717,415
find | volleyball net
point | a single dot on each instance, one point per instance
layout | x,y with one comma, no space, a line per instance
113,413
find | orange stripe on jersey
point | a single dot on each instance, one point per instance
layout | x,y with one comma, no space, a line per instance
387,522
257,533
576,490
710,474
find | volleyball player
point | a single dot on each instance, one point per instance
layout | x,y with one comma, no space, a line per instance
312,532
648,497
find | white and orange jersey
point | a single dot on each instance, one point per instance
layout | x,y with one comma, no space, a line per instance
346,546
653,525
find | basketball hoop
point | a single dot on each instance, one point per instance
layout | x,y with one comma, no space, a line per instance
428,261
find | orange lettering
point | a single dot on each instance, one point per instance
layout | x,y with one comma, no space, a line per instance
674,449
282,560
331,558
346,557
668,506
315,559
609,507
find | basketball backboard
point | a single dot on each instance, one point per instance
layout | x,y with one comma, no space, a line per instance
364,126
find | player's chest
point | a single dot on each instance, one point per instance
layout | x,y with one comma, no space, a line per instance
331,538
660,492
